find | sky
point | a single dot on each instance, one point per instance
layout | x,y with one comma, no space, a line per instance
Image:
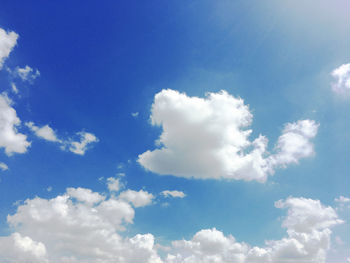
174,131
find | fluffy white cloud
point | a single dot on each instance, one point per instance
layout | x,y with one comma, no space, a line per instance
79,226
342,79
85,226
85,195
10,138
3,166
174,193
209,138
26,73
19,249
294,143
80,147
7,41
308,225
137,198
45,132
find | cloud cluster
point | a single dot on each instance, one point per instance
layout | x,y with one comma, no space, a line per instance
85,226
12,140
342,79
78,226
209,138
78,147
308,225
7,42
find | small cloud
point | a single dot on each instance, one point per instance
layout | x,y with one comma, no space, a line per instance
342,199
114,184
80,147
26,74
14,88
342,79
3,166
135,114
45,132
174,194
49,189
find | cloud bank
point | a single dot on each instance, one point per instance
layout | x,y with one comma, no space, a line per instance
85,226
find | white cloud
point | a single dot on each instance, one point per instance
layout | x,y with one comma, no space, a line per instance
80,147
114,184
45,132
307,215
135,114
79,226
308,225
85,195
342,79
26,73
294,143
174,193
10,138
209,138
19,249
342,199
85,226
137,198
14,88
3,166
7,41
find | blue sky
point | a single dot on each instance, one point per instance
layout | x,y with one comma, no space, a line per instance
95,86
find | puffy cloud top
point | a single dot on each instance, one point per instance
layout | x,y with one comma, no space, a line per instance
308,225
209,138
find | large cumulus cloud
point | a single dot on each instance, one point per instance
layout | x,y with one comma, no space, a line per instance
210,138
